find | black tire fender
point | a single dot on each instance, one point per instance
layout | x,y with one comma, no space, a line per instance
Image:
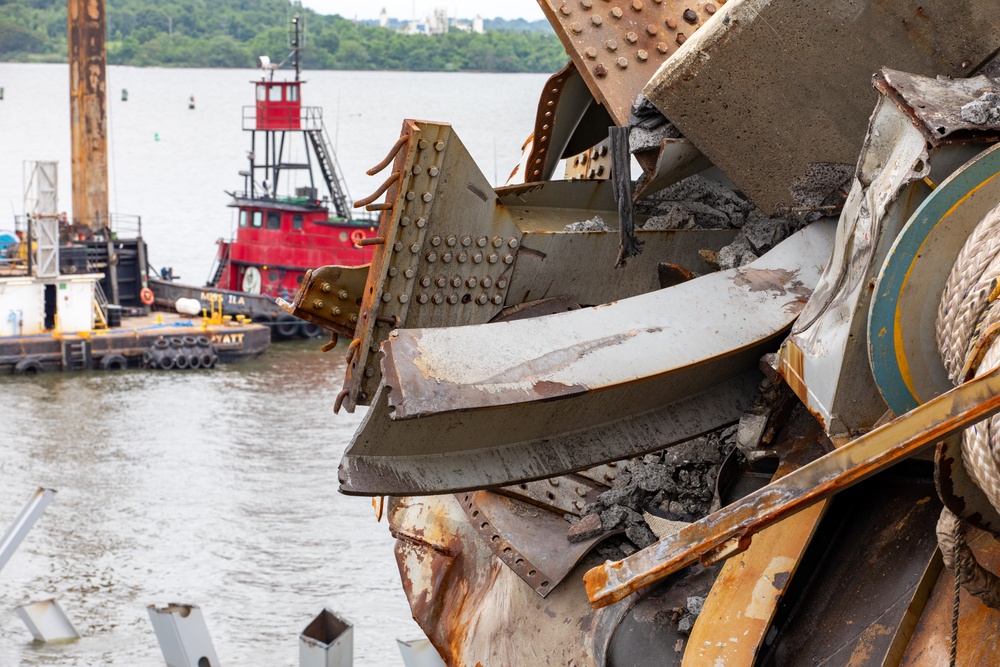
114,362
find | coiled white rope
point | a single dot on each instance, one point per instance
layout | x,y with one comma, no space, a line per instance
967,315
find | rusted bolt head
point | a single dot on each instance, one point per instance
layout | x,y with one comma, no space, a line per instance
318,304
325,287
652,30
353,317
471,281
423,298
671,23
427,197
403,298
343,295
435,241
466,241
690,15
612,44
497,299
437,298
446,257
622,63
404,221
453,299
432,257
512,242
425,281
456,281
681,38
477,258
709,8
603,150
393,271
508,259
439,146
414,248
482,299
433,171
417,169
590,52
397,246
575,28
462,256
336,310
497,241
411,195
486,282
642,55
586,4
482,241
421,222
596,20
369,372
637,5
408,273
600,170
566,10
441,281
501,283
631,37
387,297
616,12
492,259
662,47
422,144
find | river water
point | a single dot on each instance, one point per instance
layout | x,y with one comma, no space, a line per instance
216,488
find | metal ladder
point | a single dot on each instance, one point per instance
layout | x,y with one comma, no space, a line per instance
331,170
76,355
220,266
100,307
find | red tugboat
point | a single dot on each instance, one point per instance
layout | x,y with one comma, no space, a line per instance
282,232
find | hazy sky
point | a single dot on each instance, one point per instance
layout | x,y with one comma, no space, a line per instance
406,9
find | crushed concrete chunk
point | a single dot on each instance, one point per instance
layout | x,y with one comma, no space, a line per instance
595,224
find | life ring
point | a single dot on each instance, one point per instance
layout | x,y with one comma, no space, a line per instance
114,362
357,236
146,296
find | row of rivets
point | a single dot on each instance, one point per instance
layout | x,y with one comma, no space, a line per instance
438,298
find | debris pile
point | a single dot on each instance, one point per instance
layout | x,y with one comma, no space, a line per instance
676,484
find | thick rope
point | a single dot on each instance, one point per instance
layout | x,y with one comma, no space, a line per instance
969,307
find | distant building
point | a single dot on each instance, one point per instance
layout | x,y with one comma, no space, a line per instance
436,23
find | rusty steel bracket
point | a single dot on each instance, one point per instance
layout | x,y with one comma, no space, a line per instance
529,540
857,460
617,45
445,249
566,494
330,296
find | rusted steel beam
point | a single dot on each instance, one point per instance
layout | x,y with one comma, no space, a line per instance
88,121
731,528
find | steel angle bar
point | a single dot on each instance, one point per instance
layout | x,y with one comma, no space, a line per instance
465,451
638,353
23,523
857,460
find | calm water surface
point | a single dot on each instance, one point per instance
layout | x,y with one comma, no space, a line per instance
216,488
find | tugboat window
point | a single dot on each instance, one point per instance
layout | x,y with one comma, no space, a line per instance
296,221
243,218
293,94
261,95
257,219
273,220
273,276
274,94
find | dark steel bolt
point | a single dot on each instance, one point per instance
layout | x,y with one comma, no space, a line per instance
690,15
502,283
681,38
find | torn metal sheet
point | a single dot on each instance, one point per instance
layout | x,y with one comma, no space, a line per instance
729,530
474,609
331,296
608,349
771,90
567,494
904,352
936,104
618,44
529,540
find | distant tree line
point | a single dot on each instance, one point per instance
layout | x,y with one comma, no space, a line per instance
232,33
